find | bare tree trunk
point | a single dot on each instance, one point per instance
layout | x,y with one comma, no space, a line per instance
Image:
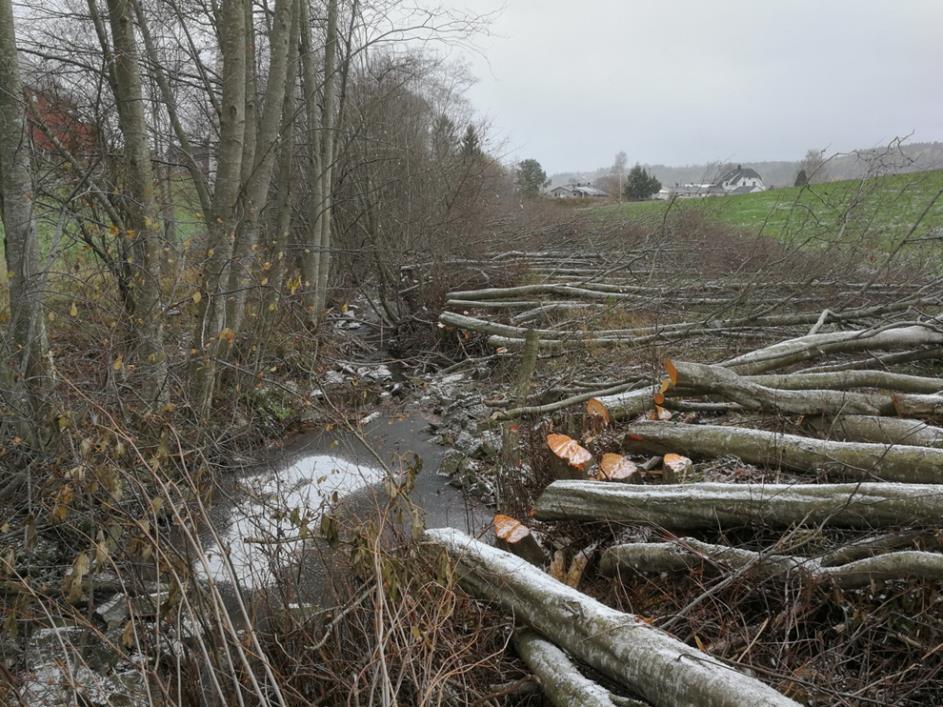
328,128
311,257
258,177
720,505
25,367
282,221
143,216
853,459
561,681
208,334
648,661
688,553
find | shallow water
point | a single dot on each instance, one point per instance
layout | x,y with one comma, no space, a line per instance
342,471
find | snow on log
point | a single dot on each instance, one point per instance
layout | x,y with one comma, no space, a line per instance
686,553
713,505
804,348
858,459
648,661
883,430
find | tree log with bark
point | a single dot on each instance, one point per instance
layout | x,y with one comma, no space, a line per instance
719,505
688,553
646,660
864,460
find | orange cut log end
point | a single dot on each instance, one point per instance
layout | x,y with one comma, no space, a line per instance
569,450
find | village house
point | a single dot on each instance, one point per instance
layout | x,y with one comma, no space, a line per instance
740,180
577,191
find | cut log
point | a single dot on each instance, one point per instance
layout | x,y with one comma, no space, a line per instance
883,430
560,680
855,459
714,505
807,347
512,535
645,659
844,380
685,553
918,405
630,403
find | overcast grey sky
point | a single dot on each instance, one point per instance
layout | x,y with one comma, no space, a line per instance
689,81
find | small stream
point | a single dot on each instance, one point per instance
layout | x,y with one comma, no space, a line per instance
336,470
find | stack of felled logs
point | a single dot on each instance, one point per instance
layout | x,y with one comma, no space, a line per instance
864,453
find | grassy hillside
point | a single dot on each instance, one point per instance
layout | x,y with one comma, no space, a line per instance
880,211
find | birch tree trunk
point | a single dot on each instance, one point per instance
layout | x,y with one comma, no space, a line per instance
207,339
143,220
25,367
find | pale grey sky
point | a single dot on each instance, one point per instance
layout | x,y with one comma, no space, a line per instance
689,81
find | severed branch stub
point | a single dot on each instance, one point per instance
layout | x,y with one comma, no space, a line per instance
645,659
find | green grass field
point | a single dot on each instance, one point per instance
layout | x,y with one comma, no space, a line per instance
881,210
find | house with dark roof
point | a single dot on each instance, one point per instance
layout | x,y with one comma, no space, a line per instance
740,180
577,191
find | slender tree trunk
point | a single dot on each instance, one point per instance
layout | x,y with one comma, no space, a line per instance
311,256
328,143
258,177
283,180
143,219
209,336
25,370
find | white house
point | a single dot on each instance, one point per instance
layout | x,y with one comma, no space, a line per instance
741,180
577,191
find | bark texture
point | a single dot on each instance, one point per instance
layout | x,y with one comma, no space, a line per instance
855,459
648,661
687,553
719,505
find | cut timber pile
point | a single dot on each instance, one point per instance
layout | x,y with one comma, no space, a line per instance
876,431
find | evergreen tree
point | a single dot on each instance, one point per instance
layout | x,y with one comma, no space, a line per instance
640,184
530,178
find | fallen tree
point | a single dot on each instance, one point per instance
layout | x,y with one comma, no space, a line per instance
754,396
687,553
648,661
883,430
560,680
717,505
843,380
812,346
905,463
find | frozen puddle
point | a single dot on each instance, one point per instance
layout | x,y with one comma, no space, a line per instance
264,528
